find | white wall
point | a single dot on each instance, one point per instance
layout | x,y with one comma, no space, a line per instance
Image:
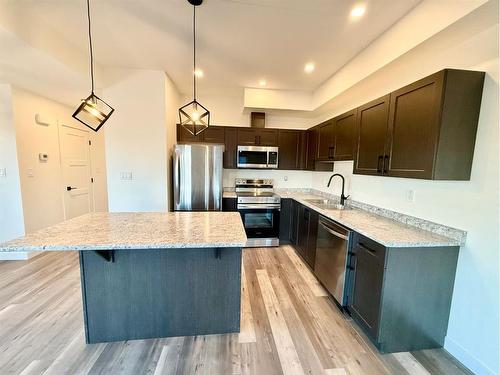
172,104
11,209
472,43
41,183
228,110
136,142
282,179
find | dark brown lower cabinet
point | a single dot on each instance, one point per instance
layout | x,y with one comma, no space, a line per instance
307,234
294,221
401,297
229,204
285,218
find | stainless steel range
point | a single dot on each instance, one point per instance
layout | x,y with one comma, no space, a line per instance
260,210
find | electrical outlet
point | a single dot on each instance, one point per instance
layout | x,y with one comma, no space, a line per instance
3,172
126,176
285,178
410,196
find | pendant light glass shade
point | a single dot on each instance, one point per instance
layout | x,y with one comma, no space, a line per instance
93,112
194,117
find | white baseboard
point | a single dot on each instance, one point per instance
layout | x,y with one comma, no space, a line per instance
467,358
18,255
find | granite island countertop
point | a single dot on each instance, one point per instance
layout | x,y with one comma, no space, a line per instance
142,230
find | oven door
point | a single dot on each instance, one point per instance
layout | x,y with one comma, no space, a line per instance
252,157
260,222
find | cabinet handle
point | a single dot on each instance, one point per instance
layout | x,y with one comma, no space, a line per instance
386,163
379,162
330,149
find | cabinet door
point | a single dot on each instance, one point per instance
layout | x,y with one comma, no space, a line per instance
247,137
213,134
345,134
326,140
312,148
312,236
372,136
303,231
285,220
185,136
289,149
268,137
294,222
230,146
366,289
413,128
229,204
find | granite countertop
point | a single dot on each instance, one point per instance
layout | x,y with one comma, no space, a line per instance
388,232
229,194
117,231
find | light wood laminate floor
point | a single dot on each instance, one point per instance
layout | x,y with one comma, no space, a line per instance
289,326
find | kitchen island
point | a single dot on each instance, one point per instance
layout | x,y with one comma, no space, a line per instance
150,275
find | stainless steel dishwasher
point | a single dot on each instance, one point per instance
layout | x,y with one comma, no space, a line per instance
332,249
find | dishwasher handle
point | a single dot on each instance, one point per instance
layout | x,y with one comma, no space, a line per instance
331,231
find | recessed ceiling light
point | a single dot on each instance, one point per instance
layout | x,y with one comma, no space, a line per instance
309,67
262,82
358,11
198,73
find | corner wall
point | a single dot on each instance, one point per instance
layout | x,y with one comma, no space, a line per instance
136,143
471,43
11,209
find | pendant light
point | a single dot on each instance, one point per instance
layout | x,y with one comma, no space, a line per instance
193,116
93,112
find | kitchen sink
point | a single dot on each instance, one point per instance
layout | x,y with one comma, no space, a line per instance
326,204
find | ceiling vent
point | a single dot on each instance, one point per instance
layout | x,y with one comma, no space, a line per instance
258,120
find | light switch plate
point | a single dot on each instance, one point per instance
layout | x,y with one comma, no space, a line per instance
3,172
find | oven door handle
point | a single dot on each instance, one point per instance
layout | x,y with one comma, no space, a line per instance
257,206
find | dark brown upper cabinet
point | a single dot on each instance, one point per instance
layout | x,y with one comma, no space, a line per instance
213,134
344,136
231,144
312,148
292,149
185,136
326,140
372,136
430,129
257,137
336,138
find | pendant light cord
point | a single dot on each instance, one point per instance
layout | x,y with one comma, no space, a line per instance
91,52
194,52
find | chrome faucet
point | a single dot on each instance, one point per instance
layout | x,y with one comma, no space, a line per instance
343,198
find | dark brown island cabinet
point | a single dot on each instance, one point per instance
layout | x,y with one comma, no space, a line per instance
424,130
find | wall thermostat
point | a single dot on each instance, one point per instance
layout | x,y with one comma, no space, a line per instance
43,157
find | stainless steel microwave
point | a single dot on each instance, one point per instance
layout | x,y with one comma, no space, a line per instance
257,157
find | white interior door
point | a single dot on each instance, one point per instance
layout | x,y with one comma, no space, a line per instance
75,162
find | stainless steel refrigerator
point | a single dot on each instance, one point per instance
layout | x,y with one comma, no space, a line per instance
197,177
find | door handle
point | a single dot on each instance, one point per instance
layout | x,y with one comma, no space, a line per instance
69,188
379,167
386,163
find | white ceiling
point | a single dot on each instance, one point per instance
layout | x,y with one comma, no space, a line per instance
239,41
